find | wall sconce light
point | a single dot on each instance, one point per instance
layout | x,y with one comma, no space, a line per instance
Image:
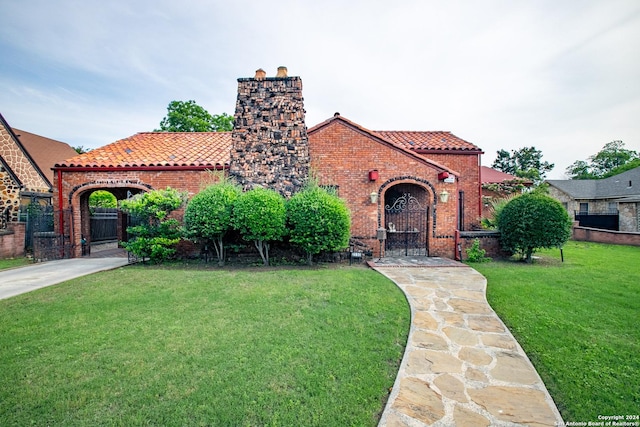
444,196
373,175
374,197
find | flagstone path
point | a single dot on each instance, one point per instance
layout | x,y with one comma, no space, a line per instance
461,367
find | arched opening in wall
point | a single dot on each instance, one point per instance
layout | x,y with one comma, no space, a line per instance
406,219
103,225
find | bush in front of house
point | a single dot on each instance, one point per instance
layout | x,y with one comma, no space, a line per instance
207,217
259,216
156,235
318,221
475,253
533,221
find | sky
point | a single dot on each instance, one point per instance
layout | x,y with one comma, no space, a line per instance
562,76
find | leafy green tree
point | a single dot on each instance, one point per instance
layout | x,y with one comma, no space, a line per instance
611,160
102,199
533,221
259,216
187,116
524,163
157,234
318,221
580,170
207,217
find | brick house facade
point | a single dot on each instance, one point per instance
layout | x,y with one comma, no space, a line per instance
344,153
271,146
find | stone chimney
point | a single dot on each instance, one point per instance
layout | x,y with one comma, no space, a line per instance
269,143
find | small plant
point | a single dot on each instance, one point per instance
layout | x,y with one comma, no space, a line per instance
476,254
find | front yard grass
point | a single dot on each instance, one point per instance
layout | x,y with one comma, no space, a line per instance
184,346
13,262
578,322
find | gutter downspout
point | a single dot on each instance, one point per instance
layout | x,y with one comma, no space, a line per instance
457,250
60,202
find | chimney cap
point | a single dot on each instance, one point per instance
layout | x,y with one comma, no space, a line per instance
260,74
282,72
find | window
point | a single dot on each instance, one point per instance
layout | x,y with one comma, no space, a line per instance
565,205
584,209
613,208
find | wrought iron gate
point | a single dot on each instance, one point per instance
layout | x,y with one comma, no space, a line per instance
406,223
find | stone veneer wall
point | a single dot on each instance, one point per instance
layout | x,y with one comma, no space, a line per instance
9,195
20,163
269,143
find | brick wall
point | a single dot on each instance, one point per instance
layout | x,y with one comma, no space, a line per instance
342,156
605,236
78,185
12,240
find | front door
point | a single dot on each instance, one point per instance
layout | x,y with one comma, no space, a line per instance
406,219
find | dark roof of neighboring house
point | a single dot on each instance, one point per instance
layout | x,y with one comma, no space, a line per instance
492,176
159,149
45,152
624,185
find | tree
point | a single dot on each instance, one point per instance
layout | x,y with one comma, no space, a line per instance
259,216
609,161
102,199
207,217
533,221
524,163
157,234
187,116
318,221
580,170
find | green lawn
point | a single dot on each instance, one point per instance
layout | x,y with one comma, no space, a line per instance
578,322
170,346
13,262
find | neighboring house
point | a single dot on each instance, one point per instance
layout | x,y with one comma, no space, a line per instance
26,160
420,188
611,203
497,185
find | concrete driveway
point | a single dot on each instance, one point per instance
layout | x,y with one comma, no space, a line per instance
25,279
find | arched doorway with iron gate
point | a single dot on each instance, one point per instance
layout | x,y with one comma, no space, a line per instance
406,219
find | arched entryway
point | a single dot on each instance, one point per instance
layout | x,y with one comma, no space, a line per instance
406,219
88,220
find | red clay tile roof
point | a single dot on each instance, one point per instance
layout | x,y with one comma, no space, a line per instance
492,176
436,140
160,149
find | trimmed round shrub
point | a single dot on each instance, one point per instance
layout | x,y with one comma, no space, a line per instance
259,216
207,217
318,221
533,221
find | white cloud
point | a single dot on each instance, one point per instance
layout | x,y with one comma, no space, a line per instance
558,75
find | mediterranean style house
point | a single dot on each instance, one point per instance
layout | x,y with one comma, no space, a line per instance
409,193
611,203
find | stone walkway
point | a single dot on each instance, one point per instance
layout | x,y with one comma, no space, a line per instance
462,366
